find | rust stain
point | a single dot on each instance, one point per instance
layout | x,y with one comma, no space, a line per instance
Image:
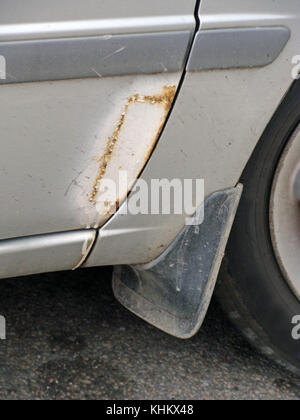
165,99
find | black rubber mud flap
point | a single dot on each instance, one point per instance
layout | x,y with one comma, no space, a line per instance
174,291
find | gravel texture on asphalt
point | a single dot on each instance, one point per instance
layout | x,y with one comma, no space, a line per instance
68,338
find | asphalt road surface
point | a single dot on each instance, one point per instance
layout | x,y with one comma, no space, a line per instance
67,338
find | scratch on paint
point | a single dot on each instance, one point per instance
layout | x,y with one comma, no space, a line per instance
114,53
98,74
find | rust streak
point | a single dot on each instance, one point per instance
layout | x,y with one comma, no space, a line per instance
165,98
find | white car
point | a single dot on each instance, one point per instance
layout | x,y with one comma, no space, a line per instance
158,136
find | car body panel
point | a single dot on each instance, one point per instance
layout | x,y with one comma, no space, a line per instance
57,135
218,118
61,137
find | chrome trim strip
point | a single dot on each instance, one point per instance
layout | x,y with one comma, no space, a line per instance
72,58
237,48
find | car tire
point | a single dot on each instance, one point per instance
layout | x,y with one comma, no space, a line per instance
252,287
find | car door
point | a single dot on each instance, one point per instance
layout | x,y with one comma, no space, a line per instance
85,89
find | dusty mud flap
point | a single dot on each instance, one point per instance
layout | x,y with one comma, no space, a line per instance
174,291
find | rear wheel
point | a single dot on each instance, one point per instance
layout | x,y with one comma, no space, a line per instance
260,279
